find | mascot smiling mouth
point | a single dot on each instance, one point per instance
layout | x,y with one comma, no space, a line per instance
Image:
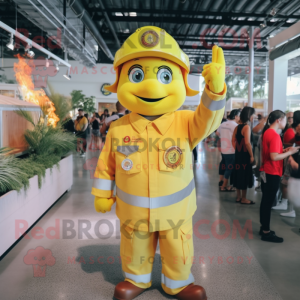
150,99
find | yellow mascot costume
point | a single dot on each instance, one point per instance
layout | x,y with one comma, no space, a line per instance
147,155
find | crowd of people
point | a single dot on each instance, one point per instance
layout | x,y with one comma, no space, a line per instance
97,125
277,139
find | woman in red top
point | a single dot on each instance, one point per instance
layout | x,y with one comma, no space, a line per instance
271,170
290,136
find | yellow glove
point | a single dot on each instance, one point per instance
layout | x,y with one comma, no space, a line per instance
214,73
104,204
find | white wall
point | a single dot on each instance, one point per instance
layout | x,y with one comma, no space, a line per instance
90,81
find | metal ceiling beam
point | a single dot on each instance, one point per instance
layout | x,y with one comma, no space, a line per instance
32,43
236,49
223,21
111,27
198,13
195,38
79,10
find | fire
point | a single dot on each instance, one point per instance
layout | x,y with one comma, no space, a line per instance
23,70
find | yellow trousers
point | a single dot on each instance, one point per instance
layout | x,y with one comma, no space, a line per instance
176,249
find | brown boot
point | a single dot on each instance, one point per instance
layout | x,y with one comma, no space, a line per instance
126,291
192,292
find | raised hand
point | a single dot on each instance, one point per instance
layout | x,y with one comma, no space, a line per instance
214,73
104,204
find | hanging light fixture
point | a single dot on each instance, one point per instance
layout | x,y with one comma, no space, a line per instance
10,44
67,75
47,62
29,53
56,66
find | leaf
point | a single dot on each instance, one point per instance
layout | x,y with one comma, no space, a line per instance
27,115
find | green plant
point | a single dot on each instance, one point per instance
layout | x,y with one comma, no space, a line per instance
47,140
12,177
32,168
47,144
79,100
237,86
62,104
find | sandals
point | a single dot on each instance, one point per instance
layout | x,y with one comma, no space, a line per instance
251,202
238,200
221,183
229,189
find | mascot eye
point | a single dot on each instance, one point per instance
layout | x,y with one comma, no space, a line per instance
136,75
164,76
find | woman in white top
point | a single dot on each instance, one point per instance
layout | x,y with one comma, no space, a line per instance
225,132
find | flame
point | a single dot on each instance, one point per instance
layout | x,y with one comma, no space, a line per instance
23,70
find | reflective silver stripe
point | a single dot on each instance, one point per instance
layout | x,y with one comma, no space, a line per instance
138,278
126,150
175,284
156,202
103,184
212,104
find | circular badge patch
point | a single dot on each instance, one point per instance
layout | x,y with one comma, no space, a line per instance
127,164
173,157
149,38
104,91
126,139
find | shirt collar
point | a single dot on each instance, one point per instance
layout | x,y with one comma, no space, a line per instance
162,123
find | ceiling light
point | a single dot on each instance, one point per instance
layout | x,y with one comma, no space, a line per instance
47,62
30,54
272,20
119,14
271,35
132,14
273,11
126,30
67,75
10,45
264,24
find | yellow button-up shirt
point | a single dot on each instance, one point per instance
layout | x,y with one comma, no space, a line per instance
150,195
81,124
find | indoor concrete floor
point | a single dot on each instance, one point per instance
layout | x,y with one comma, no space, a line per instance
234,267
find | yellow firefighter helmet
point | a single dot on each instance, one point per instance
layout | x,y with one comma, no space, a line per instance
151,41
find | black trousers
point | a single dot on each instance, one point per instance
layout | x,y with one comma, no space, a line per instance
269,191
222,166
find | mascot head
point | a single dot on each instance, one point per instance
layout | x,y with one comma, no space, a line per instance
151,73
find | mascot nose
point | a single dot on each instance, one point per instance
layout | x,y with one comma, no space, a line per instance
151,87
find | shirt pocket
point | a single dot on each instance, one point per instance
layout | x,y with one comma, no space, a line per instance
128,159
171,155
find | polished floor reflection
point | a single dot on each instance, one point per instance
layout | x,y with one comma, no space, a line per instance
229,263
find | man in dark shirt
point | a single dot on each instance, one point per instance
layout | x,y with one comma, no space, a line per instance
68,124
